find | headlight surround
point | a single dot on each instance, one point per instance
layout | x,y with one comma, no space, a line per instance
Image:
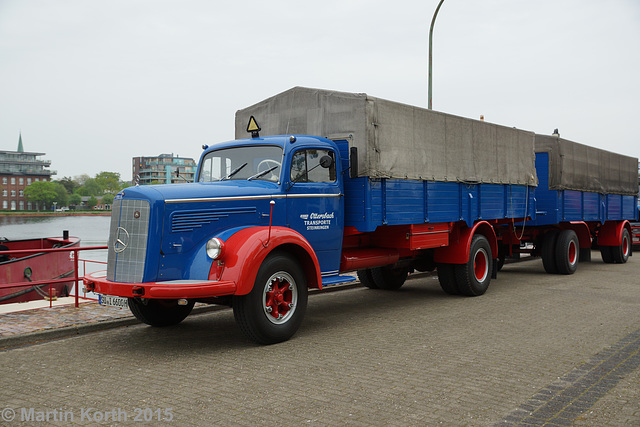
215,248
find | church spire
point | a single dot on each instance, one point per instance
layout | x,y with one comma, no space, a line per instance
20,147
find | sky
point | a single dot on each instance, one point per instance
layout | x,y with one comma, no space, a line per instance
93,83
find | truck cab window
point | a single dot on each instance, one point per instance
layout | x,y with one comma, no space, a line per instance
306,167
242,163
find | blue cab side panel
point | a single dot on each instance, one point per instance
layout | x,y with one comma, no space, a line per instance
555,206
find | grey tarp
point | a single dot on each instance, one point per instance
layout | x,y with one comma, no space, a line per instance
574,166
400,141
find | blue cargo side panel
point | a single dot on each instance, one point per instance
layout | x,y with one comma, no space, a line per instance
492,201
443,202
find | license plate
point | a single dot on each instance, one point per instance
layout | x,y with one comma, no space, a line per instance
112,301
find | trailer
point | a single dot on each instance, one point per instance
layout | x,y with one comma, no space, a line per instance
330,183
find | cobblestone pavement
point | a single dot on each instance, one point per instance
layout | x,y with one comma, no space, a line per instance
537,349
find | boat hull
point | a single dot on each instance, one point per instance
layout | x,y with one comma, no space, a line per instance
24,277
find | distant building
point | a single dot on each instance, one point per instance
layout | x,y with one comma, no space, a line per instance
18,169
163,169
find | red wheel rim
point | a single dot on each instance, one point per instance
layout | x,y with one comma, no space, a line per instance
481,265
573,252
280,297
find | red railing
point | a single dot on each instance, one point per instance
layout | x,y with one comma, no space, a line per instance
77,278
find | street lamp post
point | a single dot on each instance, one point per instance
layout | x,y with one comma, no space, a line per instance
433,21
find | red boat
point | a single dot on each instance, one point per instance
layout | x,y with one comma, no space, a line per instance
31,271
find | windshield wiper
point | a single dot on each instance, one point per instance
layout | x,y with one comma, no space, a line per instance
263,173
233,172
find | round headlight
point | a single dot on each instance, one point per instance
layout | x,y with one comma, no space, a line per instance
215,247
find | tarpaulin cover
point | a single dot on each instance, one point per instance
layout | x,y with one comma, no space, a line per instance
574,166
400,141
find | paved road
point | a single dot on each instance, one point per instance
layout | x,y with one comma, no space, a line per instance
536,348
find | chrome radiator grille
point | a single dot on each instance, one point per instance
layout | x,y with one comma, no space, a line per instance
128,240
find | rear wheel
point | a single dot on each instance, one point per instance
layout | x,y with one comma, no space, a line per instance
447,279
272,312
159,312
366,278
567,252
389,278
621,253
473,278
548,252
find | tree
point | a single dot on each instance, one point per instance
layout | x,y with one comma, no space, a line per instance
90,188
69,184
63,196
107,199
75,199
109,181
92,202
42,192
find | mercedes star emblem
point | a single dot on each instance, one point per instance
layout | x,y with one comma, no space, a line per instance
122,240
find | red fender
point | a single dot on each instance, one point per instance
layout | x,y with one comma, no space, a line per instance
610,233
245,250
457,252
582,231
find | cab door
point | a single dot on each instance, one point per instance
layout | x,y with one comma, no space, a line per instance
315,204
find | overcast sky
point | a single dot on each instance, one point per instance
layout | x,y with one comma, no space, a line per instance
93,83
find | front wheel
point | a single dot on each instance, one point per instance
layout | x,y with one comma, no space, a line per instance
272,312
159,312
473,278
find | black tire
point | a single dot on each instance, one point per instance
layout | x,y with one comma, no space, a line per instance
273,311
473,278
159,312
621,253
366,278
567,252
447,279
607,254
548,252
388,278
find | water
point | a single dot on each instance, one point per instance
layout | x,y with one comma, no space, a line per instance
92,231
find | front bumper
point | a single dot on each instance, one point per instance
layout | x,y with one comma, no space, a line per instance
173,289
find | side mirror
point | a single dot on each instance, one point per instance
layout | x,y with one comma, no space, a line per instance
326,161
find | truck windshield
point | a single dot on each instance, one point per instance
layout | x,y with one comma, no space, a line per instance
247,163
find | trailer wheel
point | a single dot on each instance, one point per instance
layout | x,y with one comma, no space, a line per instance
389,278
621,253
159,312
567,252
447,279
473,278
548,252
607,254
366,278
272,312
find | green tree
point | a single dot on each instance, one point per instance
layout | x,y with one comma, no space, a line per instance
91,188
107,199
42,192
69,184
75,199
109,181
63,195
92,201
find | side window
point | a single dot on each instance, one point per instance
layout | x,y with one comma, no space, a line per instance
306,167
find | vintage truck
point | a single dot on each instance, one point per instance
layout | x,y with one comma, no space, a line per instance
332,182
